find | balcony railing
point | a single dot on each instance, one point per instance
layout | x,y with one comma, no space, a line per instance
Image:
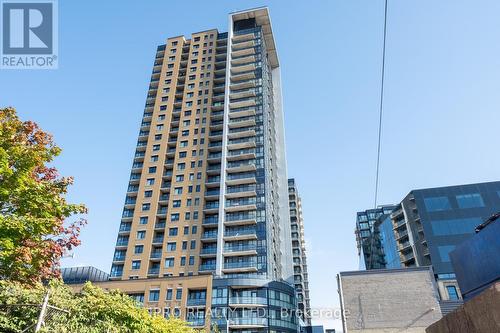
158,240
196,322
241,188
208,235
239,232
196,302
240,264
207,267
241,216
208,250
154,271
155,255
240,248
212,192
248,300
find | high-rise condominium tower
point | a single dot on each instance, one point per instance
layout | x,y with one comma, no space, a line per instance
300,275
206,221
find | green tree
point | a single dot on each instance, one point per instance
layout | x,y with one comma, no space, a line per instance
90,311
33,209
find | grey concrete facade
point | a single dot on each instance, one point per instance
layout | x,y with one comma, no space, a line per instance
386,301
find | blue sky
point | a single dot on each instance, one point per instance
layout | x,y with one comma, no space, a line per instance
440,122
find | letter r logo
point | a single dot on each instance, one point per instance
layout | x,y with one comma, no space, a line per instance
27,28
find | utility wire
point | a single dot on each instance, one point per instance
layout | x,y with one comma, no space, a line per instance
372,228
381,108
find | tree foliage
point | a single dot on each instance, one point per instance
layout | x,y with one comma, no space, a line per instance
90,311
33,209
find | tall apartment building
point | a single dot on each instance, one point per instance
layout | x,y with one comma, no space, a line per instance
371,255
300,275
429,223
206,223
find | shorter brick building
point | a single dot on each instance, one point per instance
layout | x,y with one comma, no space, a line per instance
396,300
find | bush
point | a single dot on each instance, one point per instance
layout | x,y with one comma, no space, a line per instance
91,311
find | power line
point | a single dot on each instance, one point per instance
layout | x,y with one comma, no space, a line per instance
381,108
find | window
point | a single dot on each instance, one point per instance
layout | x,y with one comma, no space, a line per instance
193,244
169,294
183,144
136,264
176,203
184,245
143,220
154,295
194,229
183,261
452,293
150,181
174,217
141,234
191,260
471,200
173,231
186,230
171,246
178,190
139,298
178,294
181,166
146,207
169,262
158,137
152,169
154,158
444,252
156,147
436,204
455,226
138,249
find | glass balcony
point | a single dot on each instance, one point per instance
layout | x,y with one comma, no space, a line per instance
240,264
154,271
248,300
212,192
125,227
209,235
155,255
122,243
208,250
239,232
158,240
160,225
240,248
196,302
207,267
